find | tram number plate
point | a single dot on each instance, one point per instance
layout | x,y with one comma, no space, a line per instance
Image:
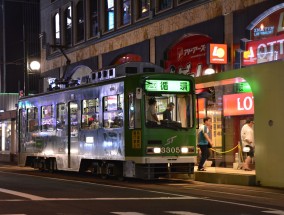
170,150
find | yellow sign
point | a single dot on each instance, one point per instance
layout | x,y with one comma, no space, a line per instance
136,139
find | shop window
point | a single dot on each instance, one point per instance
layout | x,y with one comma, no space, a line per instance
125,12
94,18
109,15
163,4
68,26
90,114
56,23
5,135
60,116
32,119
143,8
80,22
47,118
113,111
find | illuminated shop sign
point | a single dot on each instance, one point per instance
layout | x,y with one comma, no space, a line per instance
238,104
264,50
167,86
200,107
242,87
218,54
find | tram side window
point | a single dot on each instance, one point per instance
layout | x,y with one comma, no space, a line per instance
32,119
90,114
47,118
22,122
113,111
61,112
134,111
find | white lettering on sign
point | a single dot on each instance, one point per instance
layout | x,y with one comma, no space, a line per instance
269,48
246,104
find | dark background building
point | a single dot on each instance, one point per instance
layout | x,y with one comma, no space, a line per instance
19,43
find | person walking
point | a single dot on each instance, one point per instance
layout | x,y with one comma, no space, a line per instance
247,138
204,142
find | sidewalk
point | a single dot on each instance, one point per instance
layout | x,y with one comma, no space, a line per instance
220,175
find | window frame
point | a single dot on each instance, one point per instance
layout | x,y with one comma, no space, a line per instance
105,15
90,19
77,24
120,13
159,10
139,17
64,25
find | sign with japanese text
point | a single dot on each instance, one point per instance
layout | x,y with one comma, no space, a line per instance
167,86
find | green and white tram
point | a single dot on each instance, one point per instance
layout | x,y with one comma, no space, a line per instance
101,125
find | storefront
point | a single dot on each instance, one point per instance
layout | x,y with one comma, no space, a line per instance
8,115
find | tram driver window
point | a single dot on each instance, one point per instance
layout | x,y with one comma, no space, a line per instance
32,119
90,114
47,118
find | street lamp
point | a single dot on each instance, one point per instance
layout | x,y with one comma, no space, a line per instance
34,65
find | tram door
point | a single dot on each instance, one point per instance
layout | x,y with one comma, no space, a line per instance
73,129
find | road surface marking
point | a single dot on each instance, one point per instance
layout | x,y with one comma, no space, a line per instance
24,195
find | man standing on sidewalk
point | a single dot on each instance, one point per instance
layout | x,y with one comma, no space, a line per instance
247,137
204,142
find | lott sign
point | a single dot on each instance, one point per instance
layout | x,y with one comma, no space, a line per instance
264,50
238,104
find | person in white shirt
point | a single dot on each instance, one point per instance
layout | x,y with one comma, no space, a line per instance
247,137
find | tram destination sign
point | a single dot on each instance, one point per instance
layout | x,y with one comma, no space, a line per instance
178,86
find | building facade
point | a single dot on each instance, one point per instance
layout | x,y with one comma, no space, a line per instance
80,36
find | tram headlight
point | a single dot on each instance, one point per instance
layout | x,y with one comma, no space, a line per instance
184,150
157,150
153,150
187,149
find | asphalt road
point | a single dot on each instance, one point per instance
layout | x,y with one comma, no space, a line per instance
25,191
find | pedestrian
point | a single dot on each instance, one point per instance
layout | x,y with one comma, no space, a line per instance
152,118
247,138
167,115
204,142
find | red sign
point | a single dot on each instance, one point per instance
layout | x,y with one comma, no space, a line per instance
188,55
264,50
238,104
269,23
200,107
218,54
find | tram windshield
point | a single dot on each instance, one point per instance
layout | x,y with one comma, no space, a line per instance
172,110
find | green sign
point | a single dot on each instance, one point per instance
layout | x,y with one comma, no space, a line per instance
242,87
177,86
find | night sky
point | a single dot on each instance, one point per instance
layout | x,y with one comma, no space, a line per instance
17,15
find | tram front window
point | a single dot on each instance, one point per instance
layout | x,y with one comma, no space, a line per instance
177,108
